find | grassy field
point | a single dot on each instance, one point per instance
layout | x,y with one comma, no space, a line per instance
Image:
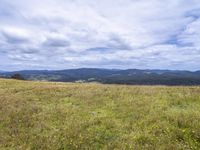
59,116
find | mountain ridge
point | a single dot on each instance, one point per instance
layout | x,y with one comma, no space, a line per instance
112,76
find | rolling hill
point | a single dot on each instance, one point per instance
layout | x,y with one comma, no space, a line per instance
55,116
109,76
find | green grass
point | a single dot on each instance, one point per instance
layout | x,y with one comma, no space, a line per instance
59,116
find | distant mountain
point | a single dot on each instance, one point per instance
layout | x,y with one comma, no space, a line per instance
112,76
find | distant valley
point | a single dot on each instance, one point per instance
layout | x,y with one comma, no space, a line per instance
111,76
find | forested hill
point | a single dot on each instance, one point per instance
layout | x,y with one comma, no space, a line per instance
110,76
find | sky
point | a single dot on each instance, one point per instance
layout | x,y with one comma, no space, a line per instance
113,34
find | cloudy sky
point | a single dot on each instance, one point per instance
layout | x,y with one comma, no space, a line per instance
62,34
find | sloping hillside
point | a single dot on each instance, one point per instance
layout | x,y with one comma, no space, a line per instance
55,116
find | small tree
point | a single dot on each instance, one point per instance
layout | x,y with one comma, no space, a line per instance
17,77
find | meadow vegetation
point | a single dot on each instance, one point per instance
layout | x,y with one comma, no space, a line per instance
62,116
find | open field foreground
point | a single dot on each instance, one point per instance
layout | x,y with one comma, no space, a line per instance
59,116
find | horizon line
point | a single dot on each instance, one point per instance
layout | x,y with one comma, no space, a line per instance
99,69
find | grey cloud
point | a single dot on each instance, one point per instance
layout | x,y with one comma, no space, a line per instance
23,57
12,38
53,42
193,13
117,42
7,10
128,34
99,49
29,51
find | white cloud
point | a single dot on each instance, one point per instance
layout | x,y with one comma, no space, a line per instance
191,35
106,33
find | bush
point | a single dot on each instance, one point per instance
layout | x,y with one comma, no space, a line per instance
17,77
